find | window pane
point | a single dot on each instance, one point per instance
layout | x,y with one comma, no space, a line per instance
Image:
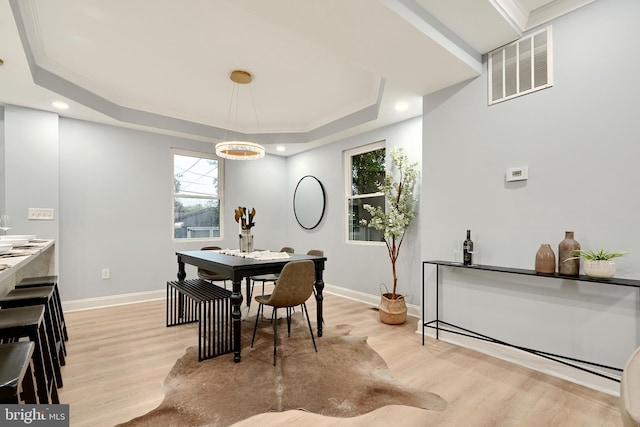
367,170
196,218
356,213
195,176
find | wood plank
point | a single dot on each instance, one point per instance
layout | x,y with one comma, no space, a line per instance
118,358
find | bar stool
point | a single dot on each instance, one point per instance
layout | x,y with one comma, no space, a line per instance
29,282
42,295
48,291
28,322
16,373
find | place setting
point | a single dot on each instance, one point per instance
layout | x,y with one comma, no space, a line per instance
16,245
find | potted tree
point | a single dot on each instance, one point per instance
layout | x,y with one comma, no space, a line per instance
393,222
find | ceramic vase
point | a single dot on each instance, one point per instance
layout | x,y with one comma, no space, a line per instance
246,241
545,259
568,257
602,269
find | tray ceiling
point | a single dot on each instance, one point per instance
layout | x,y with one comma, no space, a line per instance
322,69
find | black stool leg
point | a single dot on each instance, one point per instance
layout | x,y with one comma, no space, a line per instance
29,395
56,361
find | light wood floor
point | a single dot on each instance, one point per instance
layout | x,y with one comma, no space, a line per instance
118,357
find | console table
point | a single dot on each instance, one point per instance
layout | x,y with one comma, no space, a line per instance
438,324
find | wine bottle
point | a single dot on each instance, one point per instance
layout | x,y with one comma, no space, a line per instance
467,249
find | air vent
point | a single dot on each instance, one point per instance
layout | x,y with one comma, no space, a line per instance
521,67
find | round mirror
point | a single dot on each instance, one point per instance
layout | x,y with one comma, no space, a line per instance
308,202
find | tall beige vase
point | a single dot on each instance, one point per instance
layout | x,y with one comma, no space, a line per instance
566,250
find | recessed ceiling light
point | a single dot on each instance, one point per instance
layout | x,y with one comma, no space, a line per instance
60,105
402,106
280,148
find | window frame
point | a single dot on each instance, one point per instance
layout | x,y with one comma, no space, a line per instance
220,197
347,162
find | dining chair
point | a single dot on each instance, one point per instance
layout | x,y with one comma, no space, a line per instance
264,278
212,276
295,286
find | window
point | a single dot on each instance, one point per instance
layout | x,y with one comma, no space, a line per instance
365,168
521,67
196,195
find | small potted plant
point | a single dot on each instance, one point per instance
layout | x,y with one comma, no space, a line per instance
393,222
599,264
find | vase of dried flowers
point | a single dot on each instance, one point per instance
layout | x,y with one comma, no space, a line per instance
244,218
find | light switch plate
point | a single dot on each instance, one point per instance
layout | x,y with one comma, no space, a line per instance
517,174
44,214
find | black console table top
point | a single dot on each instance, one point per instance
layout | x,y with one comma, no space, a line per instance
582,278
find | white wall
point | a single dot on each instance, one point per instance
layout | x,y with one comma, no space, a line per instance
31,169
116,196
115,200
580,142
355,266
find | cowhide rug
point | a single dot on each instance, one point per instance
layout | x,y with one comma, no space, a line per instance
345,378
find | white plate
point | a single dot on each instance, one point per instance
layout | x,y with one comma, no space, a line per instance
5,247
15,242
18,236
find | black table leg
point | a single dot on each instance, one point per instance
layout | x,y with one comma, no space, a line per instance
236,317
319,284
181,273
181,276
248,290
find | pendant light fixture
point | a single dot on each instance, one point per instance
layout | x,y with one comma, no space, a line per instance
235,149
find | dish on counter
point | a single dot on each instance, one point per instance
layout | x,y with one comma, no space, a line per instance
15,242
18,236
5,247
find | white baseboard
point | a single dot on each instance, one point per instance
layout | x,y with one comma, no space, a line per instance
113,300
531,361
122,299
373,300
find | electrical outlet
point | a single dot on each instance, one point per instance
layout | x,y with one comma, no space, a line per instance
45,214
106,274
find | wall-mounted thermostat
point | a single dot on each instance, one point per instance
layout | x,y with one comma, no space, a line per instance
517,174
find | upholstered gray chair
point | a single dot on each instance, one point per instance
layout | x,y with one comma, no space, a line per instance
264,278
295,286
212,276
315,252
630,391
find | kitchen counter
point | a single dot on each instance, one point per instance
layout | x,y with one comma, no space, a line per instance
35,259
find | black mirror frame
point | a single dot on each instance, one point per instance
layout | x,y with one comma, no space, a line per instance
323,202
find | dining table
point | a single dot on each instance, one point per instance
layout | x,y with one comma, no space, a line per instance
238,266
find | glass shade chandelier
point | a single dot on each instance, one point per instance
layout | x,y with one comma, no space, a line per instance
235,149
